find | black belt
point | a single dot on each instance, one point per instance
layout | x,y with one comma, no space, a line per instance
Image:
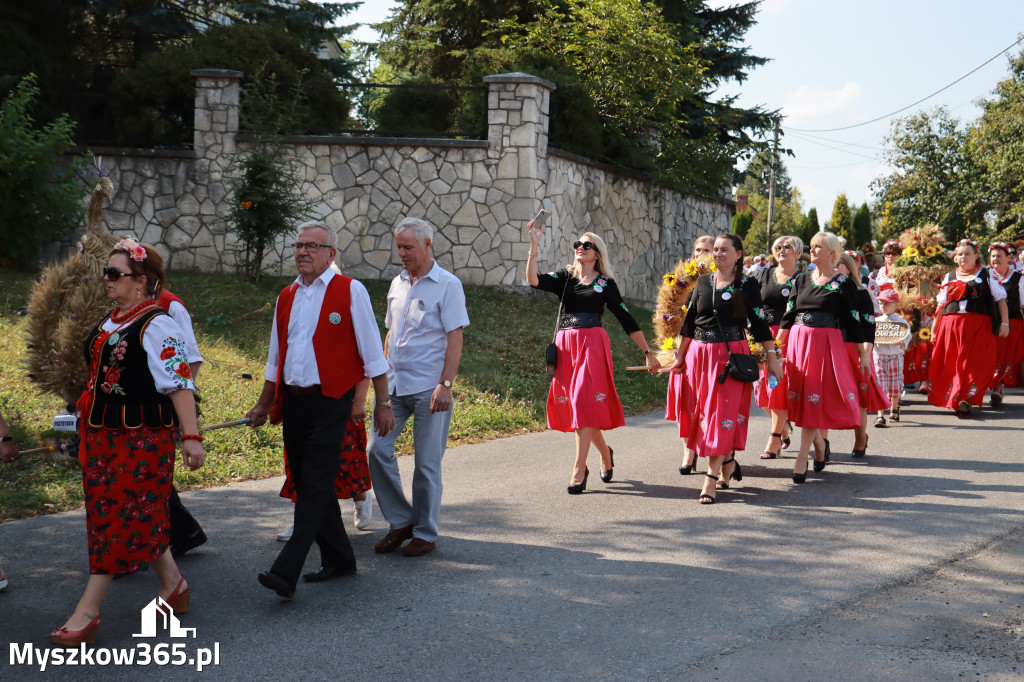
301,390
712,335
579,320
817,319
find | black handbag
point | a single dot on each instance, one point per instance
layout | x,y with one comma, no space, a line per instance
739,366
551,352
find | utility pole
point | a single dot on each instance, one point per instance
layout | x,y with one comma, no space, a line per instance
771,185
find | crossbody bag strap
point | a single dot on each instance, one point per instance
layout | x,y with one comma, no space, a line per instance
558,317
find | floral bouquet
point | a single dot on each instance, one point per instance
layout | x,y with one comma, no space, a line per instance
673,297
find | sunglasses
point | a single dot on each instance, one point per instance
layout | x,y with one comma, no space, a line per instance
586,246
113,274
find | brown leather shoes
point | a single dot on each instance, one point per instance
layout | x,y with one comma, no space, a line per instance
418,547
393,540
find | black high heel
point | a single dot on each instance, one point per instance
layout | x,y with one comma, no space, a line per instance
737,473
863,451
704,497
800,478
580,487
768,454
789,430
820,466
687,469
606,476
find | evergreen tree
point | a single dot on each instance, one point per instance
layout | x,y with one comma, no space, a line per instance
810,226
756,179
842,220
741,223
862,225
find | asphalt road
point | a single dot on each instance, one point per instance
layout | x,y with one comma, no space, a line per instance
905,565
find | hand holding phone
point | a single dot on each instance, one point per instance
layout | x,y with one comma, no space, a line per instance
536,226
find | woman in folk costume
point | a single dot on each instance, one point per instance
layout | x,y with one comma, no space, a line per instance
1009,348
890,252
776,285
822,386
723,304
973,311
869,391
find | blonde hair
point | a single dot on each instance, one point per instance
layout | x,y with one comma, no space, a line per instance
831,242
602,265
703,238
851,265
795,242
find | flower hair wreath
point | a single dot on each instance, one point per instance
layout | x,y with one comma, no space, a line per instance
135,250
893,243
969,242
1001,245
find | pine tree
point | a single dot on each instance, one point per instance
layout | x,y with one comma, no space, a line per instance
862,226
842,220
810,227
741,223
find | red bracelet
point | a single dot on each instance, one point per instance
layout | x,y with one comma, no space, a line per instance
191,436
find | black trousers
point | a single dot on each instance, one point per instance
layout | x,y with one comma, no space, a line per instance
314,432
183,524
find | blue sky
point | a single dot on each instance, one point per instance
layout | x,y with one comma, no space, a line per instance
837,63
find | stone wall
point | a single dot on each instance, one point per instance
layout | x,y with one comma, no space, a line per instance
478,193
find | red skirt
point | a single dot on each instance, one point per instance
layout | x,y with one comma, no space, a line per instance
869,392
679,401
717,424
822,389
127,479
774,399
916,362
1010,355
963,360
582,391
353,471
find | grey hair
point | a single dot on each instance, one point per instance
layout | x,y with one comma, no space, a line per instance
421,228
795,242
332,236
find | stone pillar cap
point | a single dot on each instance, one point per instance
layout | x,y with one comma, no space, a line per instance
216,73
519,77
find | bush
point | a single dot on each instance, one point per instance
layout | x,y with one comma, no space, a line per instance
40,199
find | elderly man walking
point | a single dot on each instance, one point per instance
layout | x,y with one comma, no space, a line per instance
324,340
425,317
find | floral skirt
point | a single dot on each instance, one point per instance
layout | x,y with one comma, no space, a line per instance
679,401
774,399
353,472
1010,355
822,388
870,394
963,360
582,391
127,479
716,421
916,362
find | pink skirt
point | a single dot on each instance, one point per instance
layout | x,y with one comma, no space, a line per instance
822,389
870,394
774,399
582,391
679,401
717,424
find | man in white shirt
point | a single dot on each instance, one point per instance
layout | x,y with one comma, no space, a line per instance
425,317
324,340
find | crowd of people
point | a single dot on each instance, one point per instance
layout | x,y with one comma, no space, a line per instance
820,370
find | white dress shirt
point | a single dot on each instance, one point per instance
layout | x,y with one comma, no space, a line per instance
998,292
162,334
179,314
300,368
419,318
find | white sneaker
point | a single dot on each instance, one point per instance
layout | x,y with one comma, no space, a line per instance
364,511
285,535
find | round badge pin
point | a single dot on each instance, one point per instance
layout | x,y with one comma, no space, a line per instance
114,338
335,318
726,296
977,280
423,306
599,288
785,292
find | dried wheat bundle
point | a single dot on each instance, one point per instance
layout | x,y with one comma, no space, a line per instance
673,297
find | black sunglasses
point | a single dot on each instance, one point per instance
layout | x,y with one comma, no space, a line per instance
587,246
113,274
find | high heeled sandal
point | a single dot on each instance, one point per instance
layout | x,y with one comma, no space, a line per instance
687,469
180,600
768,454
863,451
820,466
87,635
606,476
800,478
736,474
580,487
704,497
789,430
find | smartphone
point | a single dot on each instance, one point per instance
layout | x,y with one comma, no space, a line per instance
541,218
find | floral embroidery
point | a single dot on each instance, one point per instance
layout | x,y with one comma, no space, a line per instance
814,398
119,350
600,397
871,319
111,374
727,424
863,386
790,305
759,312
175,362
851,396
856,315
972,391
624,306
562,399
793,395
741,420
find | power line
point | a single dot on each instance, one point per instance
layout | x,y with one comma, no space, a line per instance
839,149
889,115
817,139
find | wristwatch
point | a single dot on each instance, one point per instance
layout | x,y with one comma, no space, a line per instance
6,439
385,403
648,352
446,383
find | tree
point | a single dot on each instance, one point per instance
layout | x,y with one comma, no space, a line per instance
40,200
841,223
756,178
936,178
810,226
741,223
862,226
787,219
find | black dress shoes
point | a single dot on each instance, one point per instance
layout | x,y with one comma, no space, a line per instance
189,543
273,581
328,573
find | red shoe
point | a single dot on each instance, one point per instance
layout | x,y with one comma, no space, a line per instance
179,600
86,635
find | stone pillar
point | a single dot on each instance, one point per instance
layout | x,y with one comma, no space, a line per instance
518,107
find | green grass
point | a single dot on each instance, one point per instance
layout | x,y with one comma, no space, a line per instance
500,390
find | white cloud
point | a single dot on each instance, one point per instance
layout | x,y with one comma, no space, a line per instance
806,103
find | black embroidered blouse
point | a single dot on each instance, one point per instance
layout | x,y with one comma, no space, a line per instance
706,300
774,295
588,298
837,296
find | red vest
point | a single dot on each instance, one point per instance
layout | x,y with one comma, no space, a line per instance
334,343
165,298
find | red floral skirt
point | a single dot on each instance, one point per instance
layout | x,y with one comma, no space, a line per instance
679,401
716,423
775,399
127,479
870,394
916,361
353,472
963,360
822,388
582,391
1010,355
